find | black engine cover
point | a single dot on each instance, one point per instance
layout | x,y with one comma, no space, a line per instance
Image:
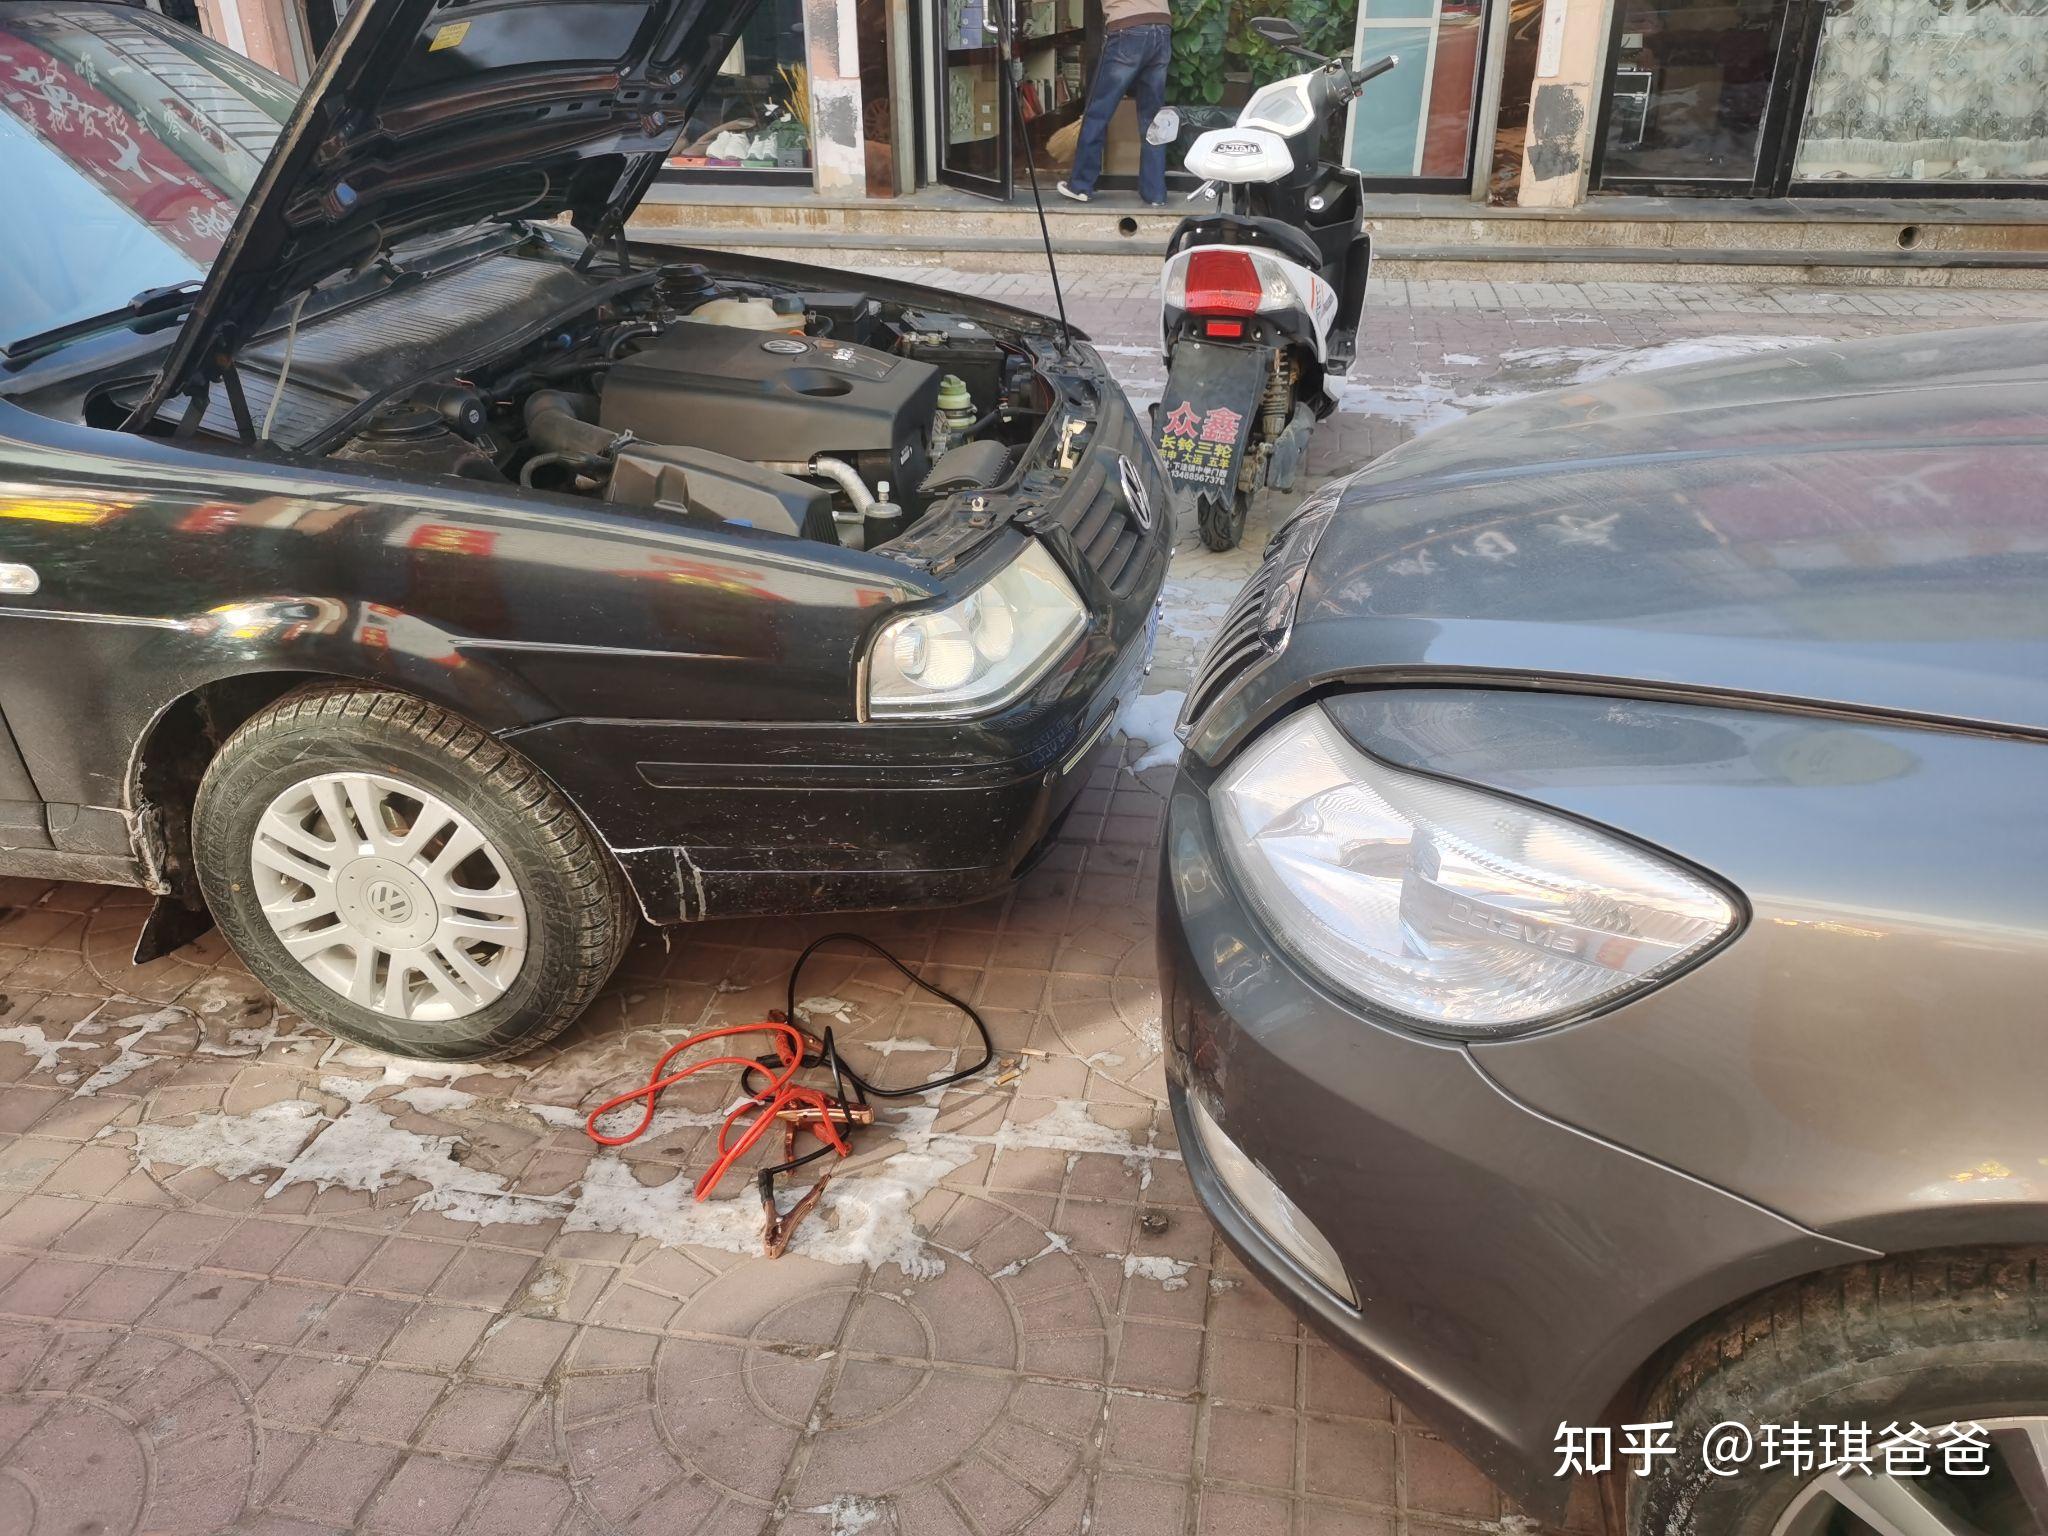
778,398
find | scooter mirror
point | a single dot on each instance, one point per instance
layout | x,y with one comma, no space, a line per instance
1164,128
1277,30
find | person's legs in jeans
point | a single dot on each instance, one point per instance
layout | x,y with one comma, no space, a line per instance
1121,57
1151,86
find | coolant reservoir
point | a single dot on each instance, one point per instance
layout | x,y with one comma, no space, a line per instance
749,315
955,403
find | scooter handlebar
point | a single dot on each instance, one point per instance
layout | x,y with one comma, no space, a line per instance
1373,70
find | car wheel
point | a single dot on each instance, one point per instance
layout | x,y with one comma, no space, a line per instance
1941,1342
403,879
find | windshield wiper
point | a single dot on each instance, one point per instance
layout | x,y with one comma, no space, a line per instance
157,304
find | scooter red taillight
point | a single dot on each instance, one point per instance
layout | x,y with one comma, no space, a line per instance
1223,282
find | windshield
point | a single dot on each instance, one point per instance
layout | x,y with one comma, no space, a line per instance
126,146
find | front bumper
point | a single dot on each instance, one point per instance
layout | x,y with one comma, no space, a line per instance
726,819
1512,1273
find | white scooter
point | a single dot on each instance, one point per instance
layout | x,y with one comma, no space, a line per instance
1261,299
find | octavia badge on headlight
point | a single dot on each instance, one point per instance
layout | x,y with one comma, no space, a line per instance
1135,495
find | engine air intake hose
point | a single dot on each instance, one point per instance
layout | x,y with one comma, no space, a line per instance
556,423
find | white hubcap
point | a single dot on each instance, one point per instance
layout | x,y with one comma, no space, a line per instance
389,895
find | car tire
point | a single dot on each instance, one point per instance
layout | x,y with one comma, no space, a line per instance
494,932
1934,1340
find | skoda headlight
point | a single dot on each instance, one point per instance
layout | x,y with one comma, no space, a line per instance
1467,912
982,651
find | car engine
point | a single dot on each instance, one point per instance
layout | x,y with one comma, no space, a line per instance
826,416
710,386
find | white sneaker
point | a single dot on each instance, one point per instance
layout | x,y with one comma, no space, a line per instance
1067,191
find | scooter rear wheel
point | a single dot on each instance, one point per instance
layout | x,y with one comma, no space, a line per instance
1222,522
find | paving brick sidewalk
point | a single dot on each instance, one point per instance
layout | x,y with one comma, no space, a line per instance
253,1281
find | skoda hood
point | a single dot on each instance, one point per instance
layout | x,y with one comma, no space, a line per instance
1857,528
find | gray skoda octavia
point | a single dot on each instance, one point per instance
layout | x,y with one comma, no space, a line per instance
1605,936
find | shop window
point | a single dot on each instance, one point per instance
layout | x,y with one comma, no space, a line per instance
1689,90
754,121
1415,122
1928,90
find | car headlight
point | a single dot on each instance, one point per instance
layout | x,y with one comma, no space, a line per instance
982,651
1467,912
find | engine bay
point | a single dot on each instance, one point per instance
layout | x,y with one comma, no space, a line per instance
822,415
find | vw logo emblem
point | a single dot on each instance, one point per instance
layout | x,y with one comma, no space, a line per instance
390,903
1135,496
787,346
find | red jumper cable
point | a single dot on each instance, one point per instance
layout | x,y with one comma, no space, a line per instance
797,1107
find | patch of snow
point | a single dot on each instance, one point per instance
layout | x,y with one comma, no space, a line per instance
913,1043
354,1089
828,1007
212,994
1422,407
361,1149
434,1101
870,1214
1589,365
852,1515
398,1069
1434,401
233,1145
862,1218
1195,605
41,1046
1054,1243
1149,717
255,1041
612,1199
1171,1274
365,1150
128,1060
865,1216
1068,1127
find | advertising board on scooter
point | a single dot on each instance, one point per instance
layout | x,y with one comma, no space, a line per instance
1205,416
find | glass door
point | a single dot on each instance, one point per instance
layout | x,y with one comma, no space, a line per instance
1696,95
1940,92
1412,127
753,122
974,108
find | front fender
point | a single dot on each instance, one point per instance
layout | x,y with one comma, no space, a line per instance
1865,1057
164,568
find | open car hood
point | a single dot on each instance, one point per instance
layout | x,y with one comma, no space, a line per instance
432,115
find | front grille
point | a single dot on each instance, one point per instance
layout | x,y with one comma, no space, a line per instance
1236,649
1093,508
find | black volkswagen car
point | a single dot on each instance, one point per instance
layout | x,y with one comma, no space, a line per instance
406,571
